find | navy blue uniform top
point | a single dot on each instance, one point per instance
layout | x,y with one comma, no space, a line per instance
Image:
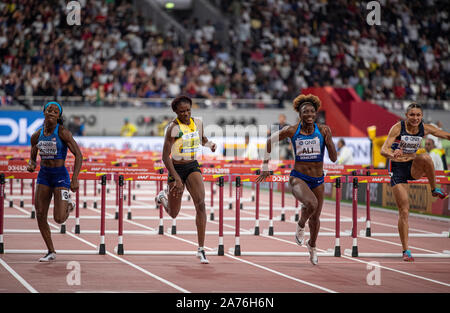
308,148
407,142
51,147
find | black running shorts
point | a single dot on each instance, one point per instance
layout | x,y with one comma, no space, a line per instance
401,172
184,170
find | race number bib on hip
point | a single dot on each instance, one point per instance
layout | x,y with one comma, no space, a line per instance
308,148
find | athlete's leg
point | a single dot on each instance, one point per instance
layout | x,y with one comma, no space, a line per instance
42,202
423,166
195,186
62,204
172,204
314,219
400,192
302,193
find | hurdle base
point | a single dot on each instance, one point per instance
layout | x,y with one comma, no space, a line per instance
120,249
84,205
355,251
283,217
116,216
174,230
129,215
237,250
368,232
257,231
102,249
11,204
221,250
337,251
398,255
95,204
271,231
211,217
21,203
2,248
161,230
33,214
63,229
296,217
77,229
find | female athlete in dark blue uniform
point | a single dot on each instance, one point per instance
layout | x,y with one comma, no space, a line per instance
309,141
52,141
400,147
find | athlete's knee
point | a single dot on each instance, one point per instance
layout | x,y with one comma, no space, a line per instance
200,205
41,216
310,204
314,218
424,158
59,219
403,213
172,213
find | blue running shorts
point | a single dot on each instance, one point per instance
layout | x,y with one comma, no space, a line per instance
312,182
54,177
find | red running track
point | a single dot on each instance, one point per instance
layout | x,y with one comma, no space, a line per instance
228,273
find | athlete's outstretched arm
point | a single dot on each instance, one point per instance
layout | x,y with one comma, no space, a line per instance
430,129
285,132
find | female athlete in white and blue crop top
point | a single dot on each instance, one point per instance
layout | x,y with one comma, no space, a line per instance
309,141
400,147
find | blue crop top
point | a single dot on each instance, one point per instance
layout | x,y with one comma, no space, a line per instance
308,148
51,147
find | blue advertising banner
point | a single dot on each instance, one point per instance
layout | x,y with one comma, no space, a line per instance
17,127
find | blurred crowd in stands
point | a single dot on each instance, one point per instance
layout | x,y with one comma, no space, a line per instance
275,49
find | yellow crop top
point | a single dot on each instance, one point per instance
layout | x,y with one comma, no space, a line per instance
187,143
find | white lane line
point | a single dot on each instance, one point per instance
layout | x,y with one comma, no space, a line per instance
361,261
281,274
18,277
251,263
121,259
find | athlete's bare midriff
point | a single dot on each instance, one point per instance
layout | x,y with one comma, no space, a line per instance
313,169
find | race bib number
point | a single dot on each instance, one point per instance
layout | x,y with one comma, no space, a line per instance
47,149
308,148
191,142
65,195
410,144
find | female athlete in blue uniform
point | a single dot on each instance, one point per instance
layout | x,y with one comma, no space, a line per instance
400,147
52,141
309,141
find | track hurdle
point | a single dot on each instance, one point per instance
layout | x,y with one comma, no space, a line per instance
160,179
26,175
276,178
354,251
